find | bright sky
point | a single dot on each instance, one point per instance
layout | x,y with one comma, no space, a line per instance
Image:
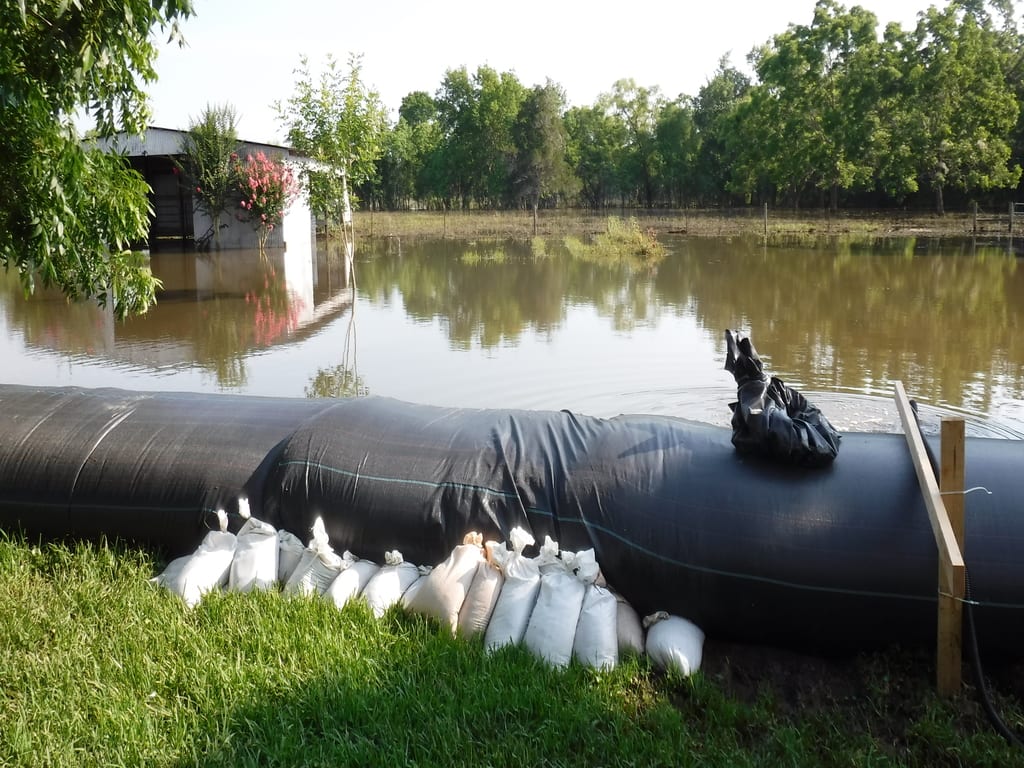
245,52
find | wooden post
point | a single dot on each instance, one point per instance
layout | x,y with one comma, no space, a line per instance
766,221
949,652
974,220
951,586
1011,218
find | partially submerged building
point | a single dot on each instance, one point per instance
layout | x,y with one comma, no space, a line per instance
177,223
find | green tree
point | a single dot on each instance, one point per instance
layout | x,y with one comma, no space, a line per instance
637,108
340,125
963,111
812,80
411,145
68,213
499,100
596,145
754,142
476,115
677,144
209,148
540,138
452,169
893,154
714,113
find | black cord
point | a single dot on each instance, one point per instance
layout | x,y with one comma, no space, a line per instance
986,699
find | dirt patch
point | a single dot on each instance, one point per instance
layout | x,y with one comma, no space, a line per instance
884,694
796,682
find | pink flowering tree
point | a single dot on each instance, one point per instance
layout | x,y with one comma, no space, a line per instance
268,189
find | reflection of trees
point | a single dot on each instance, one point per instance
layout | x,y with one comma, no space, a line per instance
863,315
490,293
343,380
47,319
855,314
850,315
215,334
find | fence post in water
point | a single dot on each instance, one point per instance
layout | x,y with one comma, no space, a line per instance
766,221
951,586
1011,218
974,220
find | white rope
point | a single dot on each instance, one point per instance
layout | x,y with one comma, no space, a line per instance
964,493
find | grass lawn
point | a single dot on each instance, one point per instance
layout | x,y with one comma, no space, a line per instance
97,667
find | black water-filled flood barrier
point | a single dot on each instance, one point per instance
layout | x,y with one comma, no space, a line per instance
834,558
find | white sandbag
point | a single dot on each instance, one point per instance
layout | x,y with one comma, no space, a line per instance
552,626
319,566
289,553
674,643
518,594
547,558
388,584
483,594
205,570
352,580
582,564
447,585
629,630
254,565
596,643
416,586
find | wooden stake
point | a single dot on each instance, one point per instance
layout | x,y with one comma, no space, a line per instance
951,562
949,649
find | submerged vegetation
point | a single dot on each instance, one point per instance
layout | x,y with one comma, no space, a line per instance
100,668
621,241
746,222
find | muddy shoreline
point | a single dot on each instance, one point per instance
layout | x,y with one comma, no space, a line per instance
780,224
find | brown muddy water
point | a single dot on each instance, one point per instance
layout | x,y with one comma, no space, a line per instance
507,325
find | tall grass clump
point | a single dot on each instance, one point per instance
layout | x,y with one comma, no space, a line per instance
621,241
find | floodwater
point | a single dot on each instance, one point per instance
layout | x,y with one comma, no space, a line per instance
488,324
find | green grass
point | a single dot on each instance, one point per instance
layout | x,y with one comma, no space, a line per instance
99,668
622,241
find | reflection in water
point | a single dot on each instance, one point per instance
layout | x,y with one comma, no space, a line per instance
343,380
526,325
943,318
214,311
856,319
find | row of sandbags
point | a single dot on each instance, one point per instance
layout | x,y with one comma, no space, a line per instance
555,604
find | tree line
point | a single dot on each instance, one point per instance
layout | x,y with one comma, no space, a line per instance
837,113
